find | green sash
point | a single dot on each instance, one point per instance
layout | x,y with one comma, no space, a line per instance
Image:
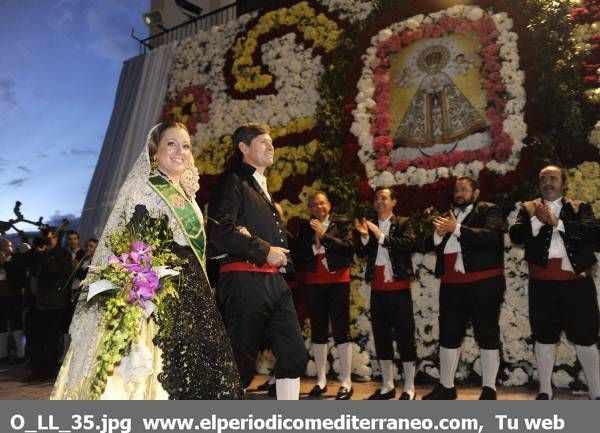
185,214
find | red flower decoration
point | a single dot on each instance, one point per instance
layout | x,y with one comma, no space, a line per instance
190,107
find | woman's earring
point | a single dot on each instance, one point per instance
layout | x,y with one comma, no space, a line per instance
154,164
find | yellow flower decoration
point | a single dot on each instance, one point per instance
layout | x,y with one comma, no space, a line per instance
323,32
584,184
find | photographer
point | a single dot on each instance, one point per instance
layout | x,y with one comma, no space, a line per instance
50,267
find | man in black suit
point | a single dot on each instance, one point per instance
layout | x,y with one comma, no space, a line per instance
253,296
50,268
469,244
387,244
325,251
558,235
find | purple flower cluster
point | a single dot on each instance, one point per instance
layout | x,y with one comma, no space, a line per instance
138,264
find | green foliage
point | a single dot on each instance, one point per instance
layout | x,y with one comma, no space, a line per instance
121,319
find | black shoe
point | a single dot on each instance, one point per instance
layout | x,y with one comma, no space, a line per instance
440,392
377,395
406,396
317,391
272,391
488,393
544,396
264,387
344,393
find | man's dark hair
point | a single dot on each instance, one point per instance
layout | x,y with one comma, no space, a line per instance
245,134
563,172
72,232
94,240
316,193
472,181
390,189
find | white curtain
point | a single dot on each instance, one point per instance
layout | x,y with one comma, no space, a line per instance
138,104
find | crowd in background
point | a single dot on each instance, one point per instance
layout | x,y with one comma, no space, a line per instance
39,286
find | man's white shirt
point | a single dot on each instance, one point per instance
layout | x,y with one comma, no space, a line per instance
453,244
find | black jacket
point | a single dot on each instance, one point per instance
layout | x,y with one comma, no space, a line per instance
337,241
52,268
580,229
481,240
400,243
238,200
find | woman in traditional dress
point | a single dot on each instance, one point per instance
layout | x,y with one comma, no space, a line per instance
193,360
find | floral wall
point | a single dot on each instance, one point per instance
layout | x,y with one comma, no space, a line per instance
325,76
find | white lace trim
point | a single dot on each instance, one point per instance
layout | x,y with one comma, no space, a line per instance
87,317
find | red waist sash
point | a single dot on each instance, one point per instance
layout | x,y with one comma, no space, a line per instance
378,282
323,276
553,271
247,267
451,276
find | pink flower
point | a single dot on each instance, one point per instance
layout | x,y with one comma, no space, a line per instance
383,144
382,162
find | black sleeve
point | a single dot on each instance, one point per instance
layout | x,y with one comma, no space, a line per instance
585,228
223,210
342,243
304,242
362,250
403,240
520,232
488,236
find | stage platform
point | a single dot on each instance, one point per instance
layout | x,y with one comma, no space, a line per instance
12,388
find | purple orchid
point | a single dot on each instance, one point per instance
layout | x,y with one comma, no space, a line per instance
137,260
139,252
145,286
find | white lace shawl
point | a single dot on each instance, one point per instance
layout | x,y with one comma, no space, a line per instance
135,191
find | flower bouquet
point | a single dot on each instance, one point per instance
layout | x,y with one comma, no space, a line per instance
138,281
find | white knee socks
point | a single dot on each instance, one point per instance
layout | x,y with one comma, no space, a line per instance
545,355
588,357
448,362
490,362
